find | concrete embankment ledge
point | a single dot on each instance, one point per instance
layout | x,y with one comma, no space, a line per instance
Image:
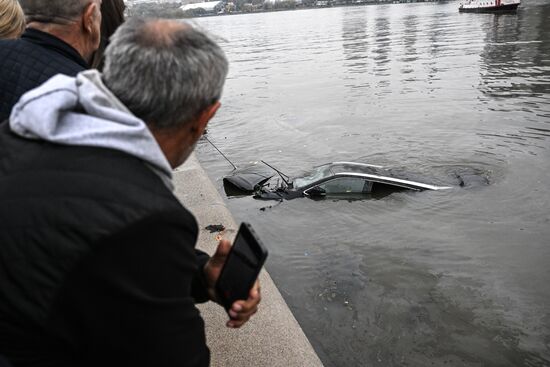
272,337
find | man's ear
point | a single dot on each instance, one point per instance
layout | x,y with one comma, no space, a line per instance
206,115
88,17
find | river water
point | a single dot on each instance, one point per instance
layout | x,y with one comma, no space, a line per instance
459,277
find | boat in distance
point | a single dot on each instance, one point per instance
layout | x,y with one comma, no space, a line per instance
488,6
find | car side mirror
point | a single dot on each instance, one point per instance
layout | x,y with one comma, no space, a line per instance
315,191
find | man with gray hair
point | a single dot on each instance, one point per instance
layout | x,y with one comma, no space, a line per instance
61,37
97,258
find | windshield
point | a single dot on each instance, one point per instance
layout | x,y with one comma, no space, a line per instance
317,174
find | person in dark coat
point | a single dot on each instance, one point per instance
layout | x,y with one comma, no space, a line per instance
98,265
61,37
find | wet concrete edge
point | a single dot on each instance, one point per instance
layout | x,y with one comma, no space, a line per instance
273,337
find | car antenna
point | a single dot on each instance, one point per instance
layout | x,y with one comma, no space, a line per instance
219,151
283,176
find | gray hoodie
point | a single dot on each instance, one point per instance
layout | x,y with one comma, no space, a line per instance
82,111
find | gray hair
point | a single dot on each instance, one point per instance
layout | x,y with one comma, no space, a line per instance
166,72
53,11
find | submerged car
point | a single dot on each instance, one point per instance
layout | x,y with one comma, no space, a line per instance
341,180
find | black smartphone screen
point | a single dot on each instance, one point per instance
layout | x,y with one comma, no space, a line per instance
242,267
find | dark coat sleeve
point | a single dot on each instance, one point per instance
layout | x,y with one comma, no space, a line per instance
199,287
130,303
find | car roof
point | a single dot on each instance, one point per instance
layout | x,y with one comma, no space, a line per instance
377,174
353,167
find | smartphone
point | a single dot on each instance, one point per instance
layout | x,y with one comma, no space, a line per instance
241,268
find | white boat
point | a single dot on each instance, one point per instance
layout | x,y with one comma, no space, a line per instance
488,6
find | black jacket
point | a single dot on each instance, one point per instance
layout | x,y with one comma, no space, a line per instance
27,62
97,261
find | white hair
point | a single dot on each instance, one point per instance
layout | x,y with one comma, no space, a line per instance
53,11
166,72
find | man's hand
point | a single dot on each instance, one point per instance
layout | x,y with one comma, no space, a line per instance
242,310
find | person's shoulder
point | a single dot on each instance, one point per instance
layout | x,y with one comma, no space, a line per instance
29,64
9,42
8,46
44,53
112,173
16,45
89,173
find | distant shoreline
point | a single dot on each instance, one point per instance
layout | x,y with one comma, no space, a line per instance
176,12
321,7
